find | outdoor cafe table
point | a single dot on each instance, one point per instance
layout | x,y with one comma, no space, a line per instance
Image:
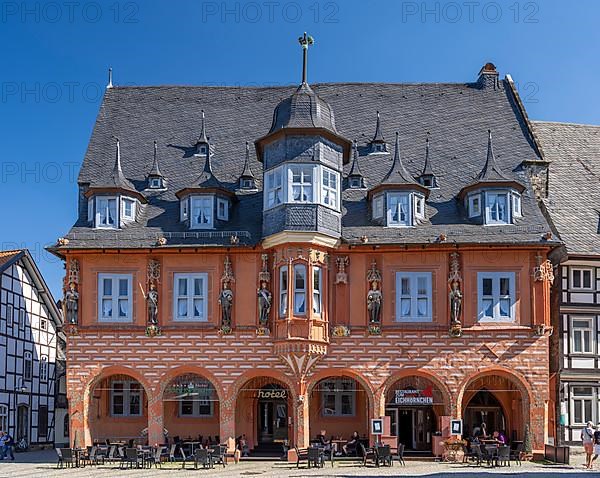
192,444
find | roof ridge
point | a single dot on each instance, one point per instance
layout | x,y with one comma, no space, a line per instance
565,123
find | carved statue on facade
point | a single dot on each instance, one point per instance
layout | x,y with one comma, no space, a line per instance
226,297
264,304
455,296
152,298
71,297
374,299
152,304
342,276
455,303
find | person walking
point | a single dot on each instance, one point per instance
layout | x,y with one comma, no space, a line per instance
7,443
596,442
587,437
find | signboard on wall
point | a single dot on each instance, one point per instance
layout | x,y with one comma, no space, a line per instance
456,427
376,426
277,393
412,397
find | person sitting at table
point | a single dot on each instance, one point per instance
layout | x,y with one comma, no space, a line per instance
499,437
351,445
323,442
243,445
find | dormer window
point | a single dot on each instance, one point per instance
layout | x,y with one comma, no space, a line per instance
202,212
496,208
402,208
106,213
247,183
516,202
379,148
201,149
356,182
474,205
222,209
128,208
398,212
155,183
419,206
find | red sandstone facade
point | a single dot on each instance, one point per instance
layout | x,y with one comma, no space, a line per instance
508,362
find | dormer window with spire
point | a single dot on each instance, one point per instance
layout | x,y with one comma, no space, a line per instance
493,198
427,178
155,178
202,144
399,196
247,179
378,144
113,204
355,178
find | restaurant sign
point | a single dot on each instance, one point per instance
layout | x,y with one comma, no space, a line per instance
412,397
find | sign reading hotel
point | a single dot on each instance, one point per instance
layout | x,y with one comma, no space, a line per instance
412,397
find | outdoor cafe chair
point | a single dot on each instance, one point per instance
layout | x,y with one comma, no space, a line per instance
156,457
316,457
384,455
112,452
503,455
515,453
218,455
184,457
132,458
65,457
172,451
369,454
203,457
491,453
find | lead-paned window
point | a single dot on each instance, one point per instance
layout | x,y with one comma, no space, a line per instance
413,296
300,289
582,405
283,290
114,298
106,212
190,292
301,183
581,278
496,207
582,331
496,293
126,398
202,212
317,276
338,397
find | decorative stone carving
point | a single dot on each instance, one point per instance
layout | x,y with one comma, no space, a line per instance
226,297
71,297
342,262
374,299
161,241
151,297
265,298
340,331
455,295
543,271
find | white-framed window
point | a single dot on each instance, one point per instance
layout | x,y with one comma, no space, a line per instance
222,209
301,180
126,398
190,291
329,188
582,405
582,279
419,206
413,296
27,365
356,182
202,149
247,183
183,209
274,189
582,335
128,206
316,286
43,324
474,205
378,206
516,204
4,417
338,397
299,289
496,208
44,368
398,209
155,183
283,290
202,212
90,209
198,405
114,298
106,212
496,294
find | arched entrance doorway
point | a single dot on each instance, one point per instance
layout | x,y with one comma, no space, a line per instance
118,411
414,405
499,401
263,410
191,409
339,406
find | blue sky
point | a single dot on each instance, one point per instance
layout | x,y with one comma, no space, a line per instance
55,57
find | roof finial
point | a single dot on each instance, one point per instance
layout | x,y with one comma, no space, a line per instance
305,41
155,171
202,138
378,136
355,168
110,84
247,171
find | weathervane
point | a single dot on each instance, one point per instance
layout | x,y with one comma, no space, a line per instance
305,41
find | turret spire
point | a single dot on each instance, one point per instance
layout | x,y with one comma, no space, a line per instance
202,138
398,173
491,171
110,83
355,177
247,179
118,178
305,41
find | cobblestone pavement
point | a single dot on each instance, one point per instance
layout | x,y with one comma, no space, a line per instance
43,464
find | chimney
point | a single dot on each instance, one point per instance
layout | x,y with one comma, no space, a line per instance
488,77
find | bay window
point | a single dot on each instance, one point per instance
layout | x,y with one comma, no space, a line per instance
398,212
202,212
496,208
474,205
413,296
128,206
302,183
283,290
316,290
189,301
125,398
114,297
582,330
274,189
496,294
300,289
329,188
106,213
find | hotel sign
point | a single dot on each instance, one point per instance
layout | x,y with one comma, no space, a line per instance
412,397
272,394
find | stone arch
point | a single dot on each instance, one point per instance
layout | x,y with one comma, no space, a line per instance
175,372
235,387
449,404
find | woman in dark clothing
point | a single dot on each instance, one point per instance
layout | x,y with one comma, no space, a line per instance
352,445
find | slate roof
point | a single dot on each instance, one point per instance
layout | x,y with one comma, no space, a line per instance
457,115
573,201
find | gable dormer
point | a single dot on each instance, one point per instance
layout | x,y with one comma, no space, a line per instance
247,181
202,145
399,200
356,179
155,180
427,178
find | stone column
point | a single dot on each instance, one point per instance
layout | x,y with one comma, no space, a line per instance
155,419
302,418
227,418
79,433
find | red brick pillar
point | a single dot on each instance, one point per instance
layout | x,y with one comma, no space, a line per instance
155,419
302,418
227,418
79,433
